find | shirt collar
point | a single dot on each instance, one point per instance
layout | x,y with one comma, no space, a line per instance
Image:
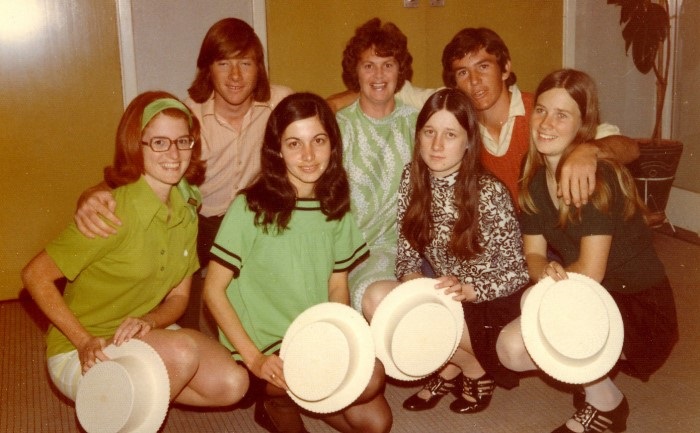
444,182
307,204
208,106
498,146
191,195
517,107
150,208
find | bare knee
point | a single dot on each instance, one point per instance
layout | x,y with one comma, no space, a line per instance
506,353
375,386
219,379
374,295
370,302
184,349
379,424
178,349
234,383
511,350
372,417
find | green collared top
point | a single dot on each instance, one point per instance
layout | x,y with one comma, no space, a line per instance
129,273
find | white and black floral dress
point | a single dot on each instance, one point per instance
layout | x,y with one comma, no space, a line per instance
498,273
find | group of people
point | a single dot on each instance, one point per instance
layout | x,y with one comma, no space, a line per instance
288,204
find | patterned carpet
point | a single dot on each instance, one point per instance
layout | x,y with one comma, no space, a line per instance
668,403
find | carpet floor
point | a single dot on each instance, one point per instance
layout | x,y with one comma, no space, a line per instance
668,403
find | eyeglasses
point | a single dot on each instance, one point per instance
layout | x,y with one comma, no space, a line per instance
162,144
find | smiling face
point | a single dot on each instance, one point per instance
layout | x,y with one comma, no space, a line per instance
234,80
378,77
306,150
162,170
554,122
443,142
481,78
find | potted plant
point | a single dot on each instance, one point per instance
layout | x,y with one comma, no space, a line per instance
646,32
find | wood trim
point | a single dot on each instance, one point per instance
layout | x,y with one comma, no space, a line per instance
126,50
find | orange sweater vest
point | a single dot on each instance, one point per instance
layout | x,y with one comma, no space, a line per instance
507,168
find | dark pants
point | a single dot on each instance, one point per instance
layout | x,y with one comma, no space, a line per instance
208,228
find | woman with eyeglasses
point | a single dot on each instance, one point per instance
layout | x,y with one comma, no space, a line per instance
136,284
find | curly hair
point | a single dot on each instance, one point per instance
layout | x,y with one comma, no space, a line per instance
387,40
582,89
272,196
229,38
417,225
469,41
128,165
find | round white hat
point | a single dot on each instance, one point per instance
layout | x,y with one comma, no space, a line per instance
416,329
572,328
128,393
328,356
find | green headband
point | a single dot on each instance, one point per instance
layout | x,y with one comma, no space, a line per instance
159,105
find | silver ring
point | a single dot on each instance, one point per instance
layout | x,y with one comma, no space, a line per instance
273,375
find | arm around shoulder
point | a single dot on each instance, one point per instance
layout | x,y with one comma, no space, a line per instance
618,147
578,172
613,145
338,101
415,96
94,204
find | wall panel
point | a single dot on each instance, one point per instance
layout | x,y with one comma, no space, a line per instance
60,104
306,38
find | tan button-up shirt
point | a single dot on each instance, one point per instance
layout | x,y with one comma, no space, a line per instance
233,157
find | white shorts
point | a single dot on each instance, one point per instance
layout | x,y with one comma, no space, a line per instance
65,372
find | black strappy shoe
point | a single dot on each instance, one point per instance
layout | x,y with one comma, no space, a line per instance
438,387
594,420
481,390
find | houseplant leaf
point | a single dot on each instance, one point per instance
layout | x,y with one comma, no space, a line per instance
649,37
647,25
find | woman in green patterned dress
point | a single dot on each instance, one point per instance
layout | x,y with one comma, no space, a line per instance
377,132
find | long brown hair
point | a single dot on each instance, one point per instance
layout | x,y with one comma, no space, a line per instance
417,226
272,196
582,89
128,163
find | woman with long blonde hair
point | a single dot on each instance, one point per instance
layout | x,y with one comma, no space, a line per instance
606,240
